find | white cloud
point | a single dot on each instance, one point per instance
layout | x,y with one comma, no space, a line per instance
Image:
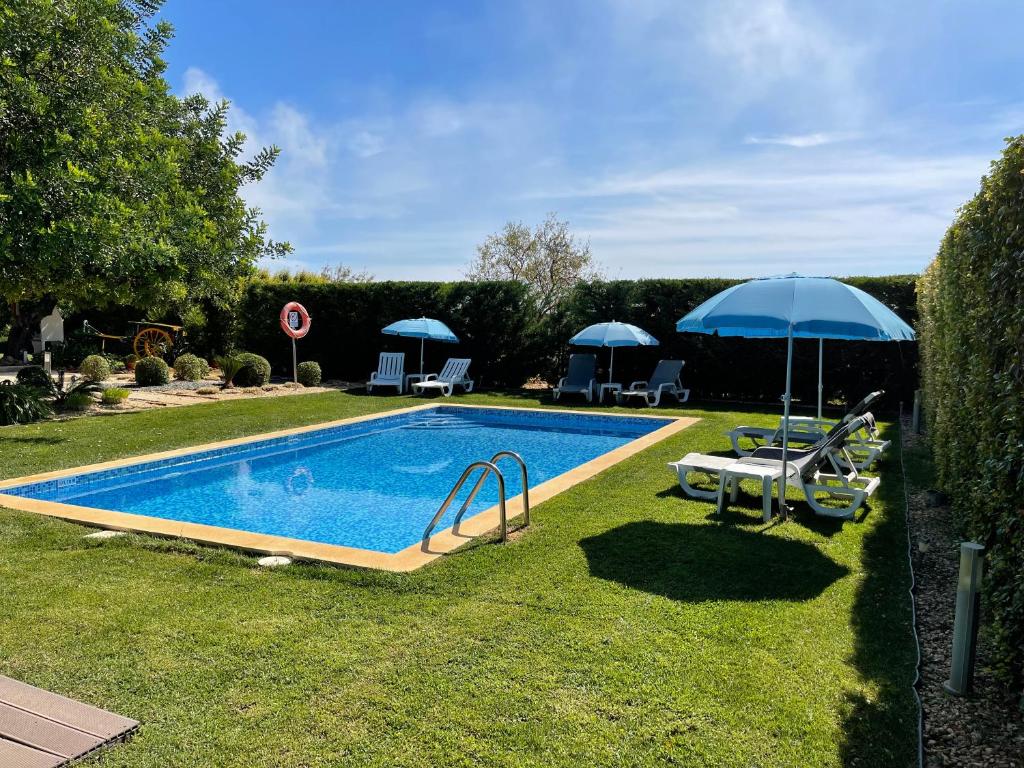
801,141
838,213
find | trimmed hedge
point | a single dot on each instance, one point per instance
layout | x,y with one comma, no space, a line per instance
152,371
188,367
255,370
508,342
309,374
972,343
492,320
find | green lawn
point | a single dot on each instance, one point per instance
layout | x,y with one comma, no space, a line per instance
630,626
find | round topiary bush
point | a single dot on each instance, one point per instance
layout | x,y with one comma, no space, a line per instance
151,371
191,368
95,368
308,374
255,370
34,376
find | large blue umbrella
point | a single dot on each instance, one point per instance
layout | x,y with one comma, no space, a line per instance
795,307
613,335
422,328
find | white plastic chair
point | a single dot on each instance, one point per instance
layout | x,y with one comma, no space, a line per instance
664,381
390,372
454,374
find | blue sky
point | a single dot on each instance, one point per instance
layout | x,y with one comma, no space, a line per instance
724,138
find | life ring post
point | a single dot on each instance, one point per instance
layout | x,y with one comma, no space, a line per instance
295,322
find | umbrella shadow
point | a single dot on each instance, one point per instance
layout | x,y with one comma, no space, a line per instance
702,563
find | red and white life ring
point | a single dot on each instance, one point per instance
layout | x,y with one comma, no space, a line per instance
288,320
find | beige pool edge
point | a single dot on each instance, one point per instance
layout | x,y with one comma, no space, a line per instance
408,559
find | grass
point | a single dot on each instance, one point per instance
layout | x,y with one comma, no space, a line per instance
629,626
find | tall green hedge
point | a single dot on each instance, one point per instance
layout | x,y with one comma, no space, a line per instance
509,342
494,322
971,300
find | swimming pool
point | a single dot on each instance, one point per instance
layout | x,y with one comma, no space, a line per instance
369,485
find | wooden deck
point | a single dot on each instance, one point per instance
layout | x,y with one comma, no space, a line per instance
39,729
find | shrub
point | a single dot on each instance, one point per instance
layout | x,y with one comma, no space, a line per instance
34,376
191,368
114,396
116,362
971,300
21,404
151,371
308,374
206,391
229,368
78,401
130,361
95,368
255,370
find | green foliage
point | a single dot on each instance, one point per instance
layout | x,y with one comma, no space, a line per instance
130,361
112,189
65,394
151,371
229,367
308,374
34,376
339,273
191,368
95,368
114,395
21,404
254,371
971,300
77,401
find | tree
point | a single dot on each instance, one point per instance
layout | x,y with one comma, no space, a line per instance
113,190
548,259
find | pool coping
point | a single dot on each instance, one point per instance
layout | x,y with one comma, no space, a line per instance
412,557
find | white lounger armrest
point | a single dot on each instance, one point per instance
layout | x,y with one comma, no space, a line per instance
637,385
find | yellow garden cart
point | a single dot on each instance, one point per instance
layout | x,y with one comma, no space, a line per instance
148,339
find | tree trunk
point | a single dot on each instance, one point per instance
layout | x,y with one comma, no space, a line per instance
25,317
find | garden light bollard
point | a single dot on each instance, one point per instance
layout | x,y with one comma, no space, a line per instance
915,421
965,623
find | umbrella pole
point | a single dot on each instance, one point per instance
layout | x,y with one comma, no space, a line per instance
821,357
611,365
783,510
422,342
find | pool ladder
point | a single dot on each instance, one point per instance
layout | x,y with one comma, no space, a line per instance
488,467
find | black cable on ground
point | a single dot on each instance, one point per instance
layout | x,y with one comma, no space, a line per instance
913,605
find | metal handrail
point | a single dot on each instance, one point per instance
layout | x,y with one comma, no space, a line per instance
488,467
479,483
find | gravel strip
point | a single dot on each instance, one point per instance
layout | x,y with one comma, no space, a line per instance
985,729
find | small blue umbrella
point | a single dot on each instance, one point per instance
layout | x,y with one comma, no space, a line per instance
796,307
613,335
422,328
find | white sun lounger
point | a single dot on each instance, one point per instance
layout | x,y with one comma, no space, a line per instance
703,463
454,374
390,372
664,381
580,380
804,471
863,447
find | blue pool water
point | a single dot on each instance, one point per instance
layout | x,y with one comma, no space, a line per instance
373,485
